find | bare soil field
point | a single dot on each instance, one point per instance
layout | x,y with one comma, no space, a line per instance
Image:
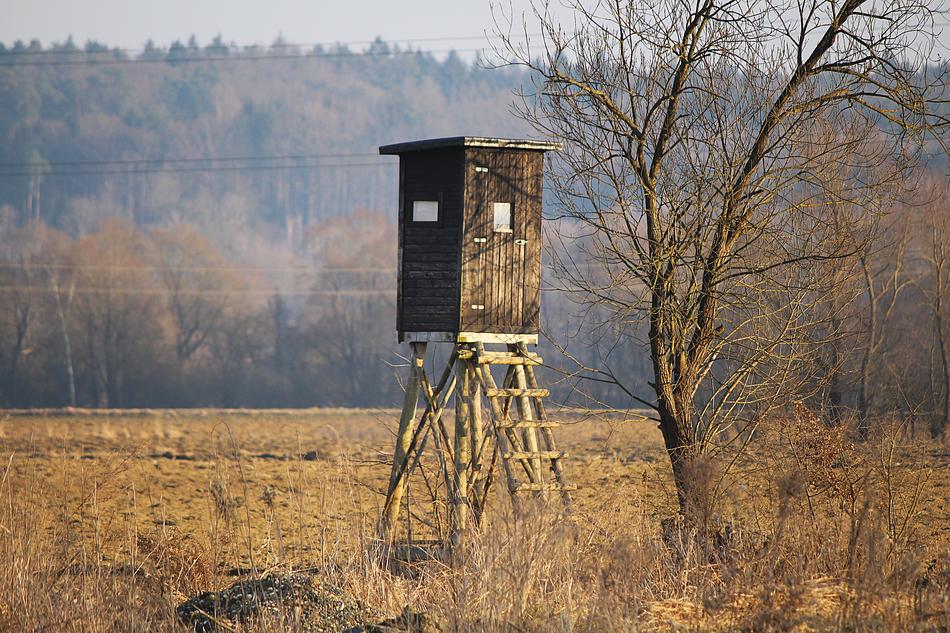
110,520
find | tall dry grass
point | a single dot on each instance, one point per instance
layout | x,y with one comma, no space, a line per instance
807,531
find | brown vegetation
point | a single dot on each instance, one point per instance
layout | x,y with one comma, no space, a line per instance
108,522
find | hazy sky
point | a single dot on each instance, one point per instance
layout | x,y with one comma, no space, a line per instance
129,23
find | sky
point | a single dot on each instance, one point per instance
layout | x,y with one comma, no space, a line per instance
130,23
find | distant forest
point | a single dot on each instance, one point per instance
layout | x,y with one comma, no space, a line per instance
211,225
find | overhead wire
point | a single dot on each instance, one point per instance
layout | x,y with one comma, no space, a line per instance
245,269
185,159
203,291
211,168
200,291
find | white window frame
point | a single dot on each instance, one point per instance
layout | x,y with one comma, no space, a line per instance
503,208
425,210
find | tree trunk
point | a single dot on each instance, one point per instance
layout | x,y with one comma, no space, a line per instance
680,446
864,428
834,398
940,423
67,347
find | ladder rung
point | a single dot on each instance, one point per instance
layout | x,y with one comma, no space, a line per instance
534,455
530,424
507,358
542,487
530,393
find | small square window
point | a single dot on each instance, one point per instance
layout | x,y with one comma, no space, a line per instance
425,211
502,212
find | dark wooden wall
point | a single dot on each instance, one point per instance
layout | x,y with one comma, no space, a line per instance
501,273
429,275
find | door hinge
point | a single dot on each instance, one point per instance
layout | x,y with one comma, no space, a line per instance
521,242
480,240
477,306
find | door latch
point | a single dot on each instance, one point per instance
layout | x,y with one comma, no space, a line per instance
521,242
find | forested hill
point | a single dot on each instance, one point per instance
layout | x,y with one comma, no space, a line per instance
94,133
201,226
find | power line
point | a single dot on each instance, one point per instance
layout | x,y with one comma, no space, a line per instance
187,159
202,291
218,168
195,55
248,269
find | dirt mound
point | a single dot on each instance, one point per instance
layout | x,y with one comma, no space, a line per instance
299,602
407,622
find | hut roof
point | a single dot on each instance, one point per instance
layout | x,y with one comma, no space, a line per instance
468,141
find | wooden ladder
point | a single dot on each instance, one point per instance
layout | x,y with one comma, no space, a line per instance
517,438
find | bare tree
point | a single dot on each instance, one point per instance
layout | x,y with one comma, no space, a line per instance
16,321
352,305
199,285
117,312
705,143
935,288
51,252
885,278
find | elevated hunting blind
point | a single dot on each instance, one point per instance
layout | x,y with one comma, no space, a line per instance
469,239
470,275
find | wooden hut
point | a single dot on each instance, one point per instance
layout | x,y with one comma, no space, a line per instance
470,275
469,239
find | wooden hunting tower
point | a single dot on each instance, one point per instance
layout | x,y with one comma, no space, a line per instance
469,239
470,275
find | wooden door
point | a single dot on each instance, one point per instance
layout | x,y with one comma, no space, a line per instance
494,244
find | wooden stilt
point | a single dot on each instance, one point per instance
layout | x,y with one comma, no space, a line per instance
463,451
528,433
546,432
463,454
479,475
403,441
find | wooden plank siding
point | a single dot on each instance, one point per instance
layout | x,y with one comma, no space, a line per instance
533,181
458,277
500,273
429,288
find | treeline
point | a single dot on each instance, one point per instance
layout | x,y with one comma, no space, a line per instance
185,226
126,317
886,348
246,143
123,317
181,229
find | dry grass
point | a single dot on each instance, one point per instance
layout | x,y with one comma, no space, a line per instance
107,522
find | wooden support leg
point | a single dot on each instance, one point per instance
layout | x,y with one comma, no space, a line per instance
437,400
546,433
403,441
530,436
463,450
479,477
